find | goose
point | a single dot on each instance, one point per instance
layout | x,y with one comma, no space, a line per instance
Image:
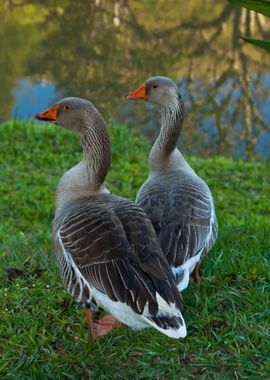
106,247
177,201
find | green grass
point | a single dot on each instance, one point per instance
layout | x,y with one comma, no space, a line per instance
42,331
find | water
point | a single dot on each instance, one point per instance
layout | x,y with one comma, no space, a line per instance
30,97
101,50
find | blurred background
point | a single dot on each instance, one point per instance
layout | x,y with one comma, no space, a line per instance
102,49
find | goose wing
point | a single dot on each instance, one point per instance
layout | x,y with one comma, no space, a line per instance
182,213
114,247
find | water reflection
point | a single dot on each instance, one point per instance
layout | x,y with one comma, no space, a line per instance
31,97
102,49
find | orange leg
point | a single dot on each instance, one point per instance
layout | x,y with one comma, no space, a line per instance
197,278
102,326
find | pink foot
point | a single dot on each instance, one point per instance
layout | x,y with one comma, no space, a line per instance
102,326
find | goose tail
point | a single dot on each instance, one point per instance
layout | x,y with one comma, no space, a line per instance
168,320
182,273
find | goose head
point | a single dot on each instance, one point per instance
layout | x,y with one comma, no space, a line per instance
159,90
74,114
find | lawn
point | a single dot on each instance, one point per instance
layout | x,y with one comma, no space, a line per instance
42,331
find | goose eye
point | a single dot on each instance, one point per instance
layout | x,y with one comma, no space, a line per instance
66,107
154,86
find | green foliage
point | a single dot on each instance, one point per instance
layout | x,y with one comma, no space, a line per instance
42,331
261,43
260,6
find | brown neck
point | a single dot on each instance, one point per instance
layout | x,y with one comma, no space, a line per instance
97,150
88,176
172,117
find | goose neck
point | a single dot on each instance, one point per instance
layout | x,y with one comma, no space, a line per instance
88,176
172,117
96,151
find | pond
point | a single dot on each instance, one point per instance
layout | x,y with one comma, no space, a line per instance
101,50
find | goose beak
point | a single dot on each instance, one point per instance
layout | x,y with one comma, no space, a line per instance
138,94
49,114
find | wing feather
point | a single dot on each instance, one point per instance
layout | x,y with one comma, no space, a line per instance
181,209
115,249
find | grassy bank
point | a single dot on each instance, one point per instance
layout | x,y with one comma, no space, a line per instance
42,331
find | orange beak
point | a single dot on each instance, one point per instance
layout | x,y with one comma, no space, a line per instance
138,94
48,115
